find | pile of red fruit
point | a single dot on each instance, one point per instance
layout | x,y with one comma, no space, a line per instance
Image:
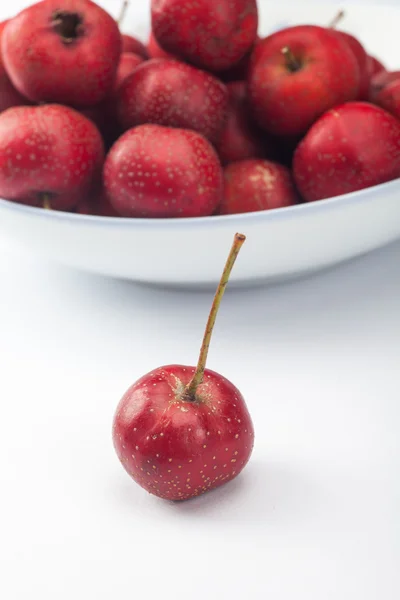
208,119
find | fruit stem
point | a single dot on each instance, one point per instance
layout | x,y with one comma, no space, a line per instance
291,61
336,20
46,202
238,241
122,13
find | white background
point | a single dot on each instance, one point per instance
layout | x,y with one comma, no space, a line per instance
315,516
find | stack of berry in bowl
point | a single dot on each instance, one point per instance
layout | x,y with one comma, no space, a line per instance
135,145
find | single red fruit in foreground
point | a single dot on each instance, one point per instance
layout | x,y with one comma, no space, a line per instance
298,73
351,147
131,44
9,96
241,138
64,51
252,185
155,171
50,156
375,66
170,93
380,81
213,35
181,431
389,98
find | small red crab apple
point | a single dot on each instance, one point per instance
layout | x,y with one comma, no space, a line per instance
181,431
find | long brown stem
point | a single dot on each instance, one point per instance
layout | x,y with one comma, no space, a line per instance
122,13
201,365
291,61
335,22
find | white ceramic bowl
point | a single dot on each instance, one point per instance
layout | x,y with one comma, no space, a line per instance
281,244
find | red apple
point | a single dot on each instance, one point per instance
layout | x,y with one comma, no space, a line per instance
64,51
171,93
9,96
181,431
375,66
241,138
389,98
131,44
50,155
252,185
154,171
296,74
210,34
154,49
240,71
127,64
362,60
351,147
380,81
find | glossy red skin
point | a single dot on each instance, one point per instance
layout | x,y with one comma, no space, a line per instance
9,96
127,64
351,147
154,49
252,185
287,103
375,66
49,149
362,59
171,93
211,35
131,44
45,69
389,98
178,449
154,171
240,70
380,81
241,138
104,114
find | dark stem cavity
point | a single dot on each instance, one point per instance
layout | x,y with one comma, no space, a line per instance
68,25
292,63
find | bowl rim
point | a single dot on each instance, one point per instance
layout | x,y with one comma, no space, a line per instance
298,210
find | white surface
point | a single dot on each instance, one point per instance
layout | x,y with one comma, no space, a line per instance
316,513
282,244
